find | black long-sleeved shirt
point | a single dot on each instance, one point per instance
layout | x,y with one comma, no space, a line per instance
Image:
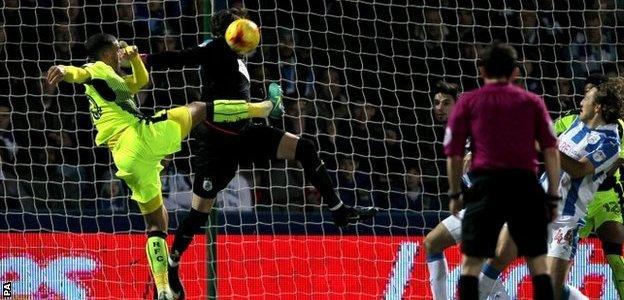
224,74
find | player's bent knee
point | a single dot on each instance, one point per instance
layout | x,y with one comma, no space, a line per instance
434,241
198,112
183,116
288,146
151,206
157,219
432,245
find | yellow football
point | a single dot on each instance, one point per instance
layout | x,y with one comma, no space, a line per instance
243,36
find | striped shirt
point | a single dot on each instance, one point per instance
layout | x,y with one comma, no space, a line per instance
601,147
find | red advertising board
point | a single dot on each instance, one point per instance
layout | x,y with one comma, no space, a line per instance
113,266
88,266
365,267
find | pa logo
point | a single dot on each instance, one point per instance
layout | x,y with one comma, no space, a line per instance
6,290
55,275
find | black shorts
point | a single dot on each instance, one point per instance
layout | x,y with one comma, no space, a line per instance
496,197
217,154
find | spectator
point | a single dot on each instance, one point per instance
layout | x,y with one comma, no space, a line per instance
353,185
237,194
411,196
287,62
304,72
562,102
10,190
434,49
8,145
593,50
414,191
295,115
64,175
63,41
160,16
330,99
469,52
176,187
113,197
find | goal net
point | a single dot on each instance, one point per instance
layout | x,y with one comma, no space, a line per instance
359,79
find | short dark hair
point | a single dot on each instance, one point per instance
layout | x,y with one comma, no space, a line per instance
448,88
499,60
610,96
596,79
222,19
98,43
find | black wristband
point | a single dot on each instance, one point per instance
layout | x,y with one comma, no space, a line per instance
454,195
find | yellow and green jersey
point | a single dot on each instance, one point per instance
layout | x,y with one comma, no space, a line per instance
111,100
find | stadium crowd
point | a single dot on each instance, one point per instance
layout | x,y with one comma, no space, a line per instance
358,76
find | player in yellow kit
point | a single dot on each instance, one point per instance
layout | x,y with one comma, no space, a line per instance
138,143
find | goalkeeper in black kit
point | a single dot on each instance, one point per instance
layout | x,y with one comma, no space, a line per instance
218,148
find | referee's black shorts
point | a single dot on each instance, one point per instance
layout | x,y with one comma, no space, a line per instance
218,152
496,197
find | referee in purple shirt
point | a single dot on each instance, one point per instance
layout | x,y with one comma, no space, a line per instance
504,122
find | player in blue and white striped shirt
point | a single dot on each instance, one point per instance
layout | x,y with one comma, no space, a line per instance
599,147
589,151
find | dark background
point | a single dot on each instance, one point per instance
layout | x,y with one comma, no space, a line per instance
358,76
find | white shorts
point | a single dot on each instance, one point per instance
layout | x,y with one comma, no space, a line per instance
563,236
453,225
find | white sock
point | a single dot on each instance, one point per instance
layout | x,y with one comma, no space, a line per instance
575,294
438,271
487,281
486,286
499,292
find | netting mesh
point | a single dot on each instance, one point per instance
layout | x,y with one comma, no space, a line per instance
359,79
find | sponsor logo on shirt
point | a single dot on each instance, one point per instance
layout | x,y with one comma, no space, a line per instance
598,155
568,149
593,138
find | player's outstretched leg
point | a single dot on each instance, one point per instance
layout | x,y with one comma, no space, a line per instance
304,150
446,234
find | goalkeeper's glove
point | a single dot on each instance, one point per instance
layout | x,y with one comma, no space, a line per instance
275,96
